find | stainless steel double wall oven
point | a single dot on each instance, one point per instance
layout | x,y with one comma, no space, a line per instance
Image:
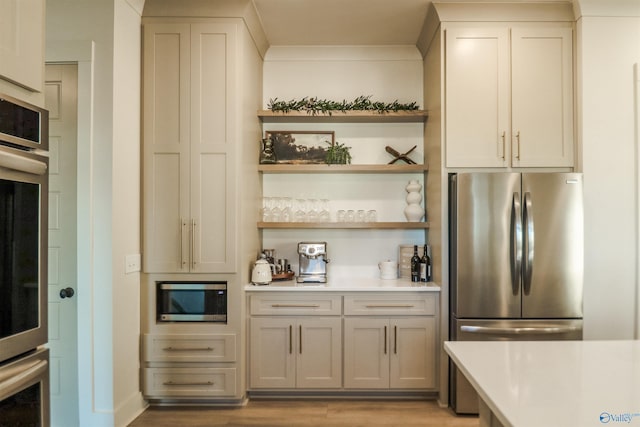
24,361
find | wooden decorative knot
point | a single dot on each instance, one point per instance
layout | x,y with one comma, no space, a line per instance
399,156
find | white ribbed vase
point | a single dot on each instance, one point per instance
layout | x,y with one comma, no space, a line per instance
414,211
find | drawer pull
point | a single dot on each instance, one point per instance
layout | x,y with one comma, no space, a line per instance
295,305
188,349
187,383
389,306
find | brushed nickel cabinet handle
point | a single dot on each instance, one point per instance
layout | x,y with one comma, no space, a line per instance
183,224
290,339
295,306
518,145
193,243
300,337
188,349
503,137
187,383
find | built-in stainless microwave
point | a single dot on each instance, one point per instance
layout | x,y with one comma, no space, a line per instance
23,125
191,301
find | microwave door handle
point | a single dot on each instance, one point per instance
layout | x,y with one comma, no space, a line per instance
528,244
516,243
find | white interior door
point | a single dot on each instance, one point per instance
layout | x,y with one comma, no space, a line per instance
61,84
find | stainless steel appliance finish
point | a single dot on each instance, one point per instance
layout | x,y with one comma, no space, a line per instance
23,251
313,262
191,301
24,390
516,261
23,124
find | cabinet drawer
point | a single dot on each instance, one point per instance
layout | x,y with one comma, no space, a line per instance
296,304
387,304
189,348
189,382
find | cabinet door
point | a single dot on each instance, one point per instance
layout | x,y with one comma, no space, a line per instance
272,354
166,148
477,97
366,352
542,92
22,42
213,136
413,352
319,348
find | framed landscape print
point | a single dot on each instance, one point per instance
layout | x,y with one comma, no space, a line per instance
301,147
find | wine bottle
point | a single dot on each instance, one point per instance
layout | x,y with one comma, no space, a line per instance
423,265
415,265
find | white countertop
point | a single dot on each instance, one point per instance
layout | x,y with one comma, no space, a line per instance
348,284
554,383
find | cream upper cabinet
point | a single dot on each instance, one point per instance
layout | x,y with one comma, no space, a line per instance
22,42
509,96
189,124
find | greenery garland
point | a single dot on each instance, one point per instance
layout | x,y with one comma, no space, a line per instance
315,106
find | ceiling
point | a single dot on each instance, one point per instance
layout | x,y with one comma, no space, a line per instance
349,22
342,22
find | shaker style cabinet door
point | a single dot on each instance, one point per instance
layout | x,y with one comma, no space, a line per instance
189,131
166,147
477,97
542,92
22,42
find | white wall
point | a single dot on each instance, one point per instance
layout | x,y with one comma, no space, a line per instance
108,199
608,48
125,294
345,72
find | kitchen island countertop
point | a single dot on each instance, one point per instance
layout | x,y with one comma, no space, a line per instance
553,383
347,284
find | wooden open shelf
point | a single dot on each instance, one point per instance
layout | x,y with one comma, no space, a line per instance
417,116
395,168
346,225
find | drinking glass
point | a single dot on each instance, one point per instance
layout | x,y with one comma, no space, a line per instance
360,216
300,215
372,216
312,210
325,215
266,209
351,216
276,210
287,210
341,215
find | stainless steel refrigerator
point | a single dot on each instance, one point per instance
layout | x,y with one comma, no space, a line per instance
516,261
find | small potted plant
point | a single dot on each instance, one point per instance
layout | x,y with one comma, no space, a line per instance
338,154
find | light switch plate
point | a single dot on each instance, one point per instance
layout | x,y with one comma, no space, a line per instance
131,263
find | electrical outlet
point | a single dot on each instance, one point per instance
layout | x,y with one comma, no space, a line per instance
131,263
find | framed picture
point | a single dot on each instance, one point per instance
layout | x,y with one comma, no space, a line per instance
300,147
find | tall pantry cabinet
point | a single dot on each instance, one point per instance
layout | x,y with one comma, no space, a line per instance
202,84
189,136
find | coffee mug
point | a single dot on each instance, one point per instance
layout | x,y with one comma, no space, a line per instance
388,270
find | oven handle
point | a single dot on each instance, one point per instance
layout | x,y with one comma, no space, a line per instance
22,164
22,377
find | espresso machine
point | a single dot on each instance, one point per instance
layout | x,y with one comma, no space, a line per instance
313,262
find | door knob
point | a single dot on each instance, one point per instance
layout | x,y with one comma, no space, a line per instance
66,293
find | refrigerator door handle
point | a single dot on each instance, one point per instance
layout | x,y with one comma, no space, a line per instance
486,330
528,244
516,243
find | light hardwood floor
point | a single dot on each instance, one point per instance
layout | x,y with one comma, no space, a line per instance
351,413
